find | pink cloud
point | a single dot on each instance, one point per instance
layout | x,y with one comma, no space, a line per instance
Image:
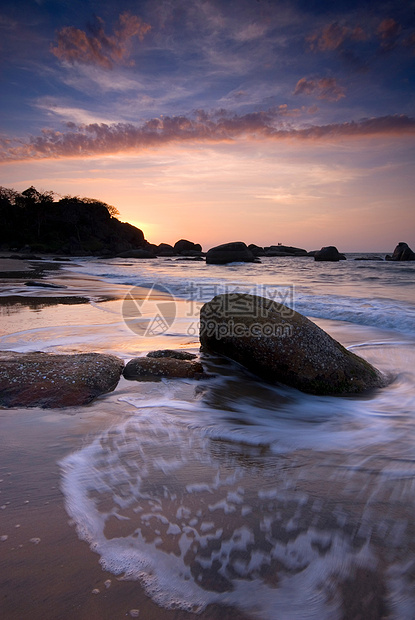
97,48
323,88
101,139
388,28
334,35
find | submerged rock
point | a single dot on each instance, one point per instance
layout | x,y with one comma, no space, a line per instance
234,252
155,368
329,253
137,254
402,252
52,380
280,345
173,353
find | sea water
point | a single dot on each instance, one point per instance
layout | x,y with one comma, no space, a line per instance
235,492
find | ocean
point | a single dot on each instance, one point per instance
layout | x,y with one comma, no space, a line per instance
232,492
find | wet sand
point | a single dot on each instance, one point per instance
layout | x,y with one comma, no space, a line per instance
46,571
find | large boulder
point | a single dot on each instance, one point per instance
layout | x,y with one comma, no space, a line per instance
156,368
53,380
329,253
402,252
234,252
184,246
280,345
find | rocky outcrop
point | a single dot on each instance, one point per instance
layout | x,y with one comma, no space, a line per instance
284,250
256,250
165,249
280,345
156,368
72,226
329,253
187,248
52,380
234,252
402,252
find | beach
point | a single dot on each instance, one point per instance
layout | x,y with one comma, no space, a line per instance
225,497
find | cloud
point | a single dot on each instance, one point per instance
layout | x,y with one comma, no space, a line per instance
76,46
218,127
388,31
323,88
334,35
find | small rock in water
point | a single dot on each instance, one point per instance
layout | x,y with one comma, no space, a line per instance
153,369
134,613
172,353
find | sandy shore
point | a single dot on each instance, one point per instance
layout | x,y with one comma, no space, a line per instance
47,573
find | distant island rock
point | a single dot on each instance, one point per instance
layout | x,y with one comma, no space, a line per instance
402,252
233,252
328,253
280,345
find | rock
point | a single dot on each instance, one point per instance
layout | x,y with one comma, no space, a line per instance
173,353
54,380
155,368
370,258
236,251
280,345
183,245
329,253
136,254
256,250
402,252
284,250
164,249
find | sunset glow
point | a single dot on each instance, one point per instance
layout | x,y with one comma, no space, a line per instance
216,121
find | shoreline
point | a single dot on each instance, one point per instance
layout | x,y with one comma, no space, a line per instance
49,572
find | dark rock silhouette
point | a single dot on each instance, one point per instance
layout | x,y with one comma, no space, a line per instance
256,250
284,250
187,248
236,251
54,380
165,249
280,345
33,222
329,253
402,252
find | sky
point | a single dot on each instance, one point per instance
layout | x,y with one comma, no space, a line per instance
264,121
